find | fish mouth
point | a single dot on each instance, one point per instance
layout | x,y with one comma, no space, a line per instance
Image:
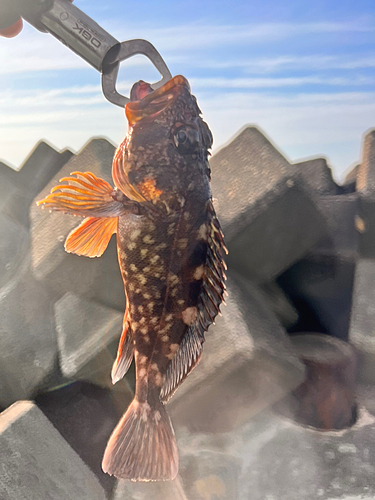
149,103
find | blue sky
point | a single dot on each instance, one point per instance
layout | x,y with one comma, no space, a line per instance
304,72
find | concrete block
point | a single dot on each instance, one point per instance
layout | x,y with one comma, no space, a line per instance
280,304
37,463
258,193
43,162
17,189
207,474
311,465
96,279
85,415
366,397
326,399
366,170
204,475
351,175
37,170
365,223
87,336
247,364
320,287
366,189
14,248
155,490
271,457
28,342
342,239
362,325
362,331
317,175
350,181
7,191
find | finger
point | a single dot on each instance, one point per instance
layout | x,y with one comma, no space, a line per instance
13,30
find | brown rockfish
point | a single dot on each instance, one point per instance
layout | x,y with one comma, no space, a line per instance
171,255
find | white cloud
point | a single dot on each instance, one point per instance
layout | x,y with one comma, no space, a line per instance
250,83
281,63
202,36
35,51
301,124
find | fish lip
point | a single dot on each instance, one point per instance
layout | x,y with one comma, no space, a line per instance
157,100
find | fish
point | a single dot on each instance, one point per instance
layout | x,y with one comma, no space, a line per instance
171,253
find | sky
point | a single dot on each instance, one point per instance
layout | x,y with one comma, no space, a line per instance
302,71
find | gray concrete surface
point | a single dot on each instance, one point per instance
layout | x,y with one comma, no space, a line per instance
98,278
362,325
342,239
271,457
258,192
87,336
168,490
14,248
37,463
43,162
28,342
366,189
247,364
85,416
317,175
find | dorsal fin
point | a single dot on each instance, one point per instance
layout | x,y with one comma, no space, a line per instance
186,358
210,298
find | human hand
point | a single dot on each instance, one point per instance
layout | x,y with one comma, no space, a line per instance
12,30
11,22
10,19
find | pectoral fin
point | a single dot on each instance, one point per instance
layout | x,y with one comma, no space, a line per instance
85,195
91,238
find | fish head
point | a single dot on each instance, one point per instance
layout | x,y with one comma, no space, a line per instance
166,150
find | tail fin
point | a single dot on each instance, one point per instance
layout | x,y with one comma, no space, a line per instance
143,446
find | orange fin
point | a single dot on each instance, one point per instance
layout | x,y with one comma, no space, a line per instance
91,238
125,352
143,445
85,195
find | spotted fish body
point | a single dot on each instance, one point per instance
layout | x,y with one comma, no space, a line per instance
170,250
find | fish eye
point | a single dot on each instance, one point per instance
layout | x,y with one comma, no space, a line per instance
186,140
181,137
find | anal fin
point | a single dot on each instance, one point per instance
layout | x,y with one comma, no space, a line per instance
125,352
91,238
